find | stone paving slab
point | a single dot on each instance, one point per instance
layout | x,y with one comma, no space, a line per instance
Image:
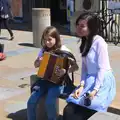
104,116
6,93
16,106
20,51
19,66
11,73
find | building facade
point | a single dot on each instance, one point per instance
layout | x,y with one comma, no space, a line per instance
61,10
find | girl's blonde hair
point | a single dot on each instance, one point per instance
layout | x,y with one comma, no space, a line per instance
53,32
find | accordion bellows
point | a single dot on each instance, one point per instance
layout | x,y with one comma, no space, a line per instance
50,63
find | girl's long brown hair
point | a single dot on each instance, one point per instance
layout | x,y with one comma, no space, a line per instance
53,32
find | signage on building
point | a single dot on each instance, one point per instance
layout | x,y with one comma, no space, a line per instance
115,6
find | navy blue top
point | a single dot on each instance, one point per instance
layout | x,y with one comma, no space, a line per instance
6,7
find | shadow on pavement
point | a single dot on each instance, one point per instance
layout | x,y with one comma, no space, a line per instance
22,114
26,44
4,38
19,115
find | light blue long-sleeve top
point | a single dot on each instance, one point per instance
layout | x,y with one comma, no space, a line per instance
96,61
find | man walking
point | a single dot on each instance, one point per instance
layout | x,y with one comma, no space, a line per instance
5,8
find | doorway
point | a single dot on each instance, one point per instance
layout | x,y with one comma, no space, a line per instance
57,7
58,14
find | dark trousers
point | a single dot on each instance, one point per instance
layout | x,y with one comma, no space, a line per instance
76,112
6,25
1,48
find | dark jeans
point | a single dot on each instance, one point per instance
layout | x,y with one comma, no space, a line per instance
76,112
1,48
6,25
52,92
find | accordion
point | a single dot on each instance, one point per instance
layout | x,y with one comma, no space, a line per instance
49,64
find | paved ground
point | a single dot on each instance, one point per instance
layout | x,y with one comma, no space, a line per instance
16,70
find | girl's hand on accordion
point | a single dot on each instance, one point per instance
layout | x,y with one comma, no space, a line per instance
37,62
60,72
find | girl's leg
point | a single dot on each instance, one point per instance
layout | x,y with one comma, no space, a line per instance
34,99
76,112
53,93
84,112
68,111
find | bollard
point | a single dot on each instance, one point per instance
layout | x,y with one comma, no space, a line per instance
40,20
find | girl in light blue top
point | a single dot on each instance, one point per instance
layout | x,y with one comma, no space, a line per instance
97,80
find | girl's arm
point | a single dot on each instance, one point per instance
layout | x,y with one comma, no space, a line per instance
38,59
103,64
83,73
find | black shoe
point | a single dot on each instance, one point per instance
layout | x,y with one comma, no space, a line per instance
12,37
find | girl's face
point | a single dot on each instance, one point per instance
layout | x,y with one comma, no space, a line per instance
82,28
50,41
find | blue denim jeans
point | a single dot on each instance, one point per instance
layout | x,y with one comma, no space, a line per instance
53,91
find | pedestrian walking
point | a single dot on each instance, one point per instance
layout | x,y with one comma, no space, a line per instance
5,9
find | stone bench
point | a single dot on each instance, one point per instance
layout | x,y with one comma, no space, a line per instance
61,103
